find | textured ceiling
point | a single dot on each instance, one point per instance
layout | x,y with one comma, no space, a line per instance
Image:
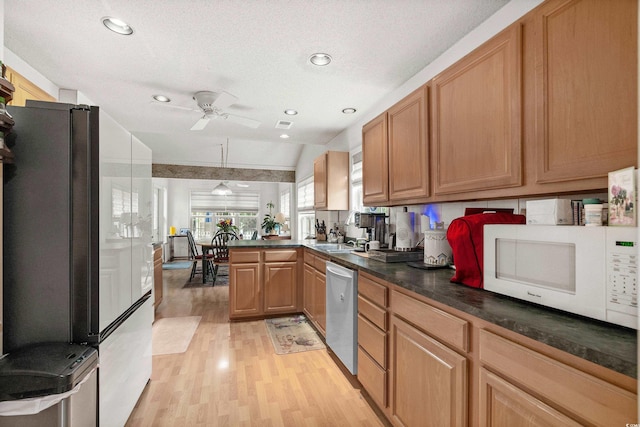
257,50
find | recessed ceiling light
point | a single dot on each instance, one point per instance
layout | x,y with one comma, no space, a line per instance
161,98
320,59
290,112
349,110
117,26
284,136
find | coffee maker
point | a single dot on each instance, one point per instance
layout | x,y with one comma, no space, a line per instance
376,226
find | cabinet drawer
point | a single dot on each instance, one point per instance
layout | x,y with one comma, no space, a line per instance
377,315
309,258
276,255
244,256
444,326
373,340
374,291
320,264
583,395
372,377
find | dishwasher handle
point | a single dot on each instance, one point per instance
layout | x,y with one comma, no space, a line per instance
339,271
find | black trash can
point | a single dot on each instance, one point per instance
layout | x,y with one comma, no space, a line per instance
49,384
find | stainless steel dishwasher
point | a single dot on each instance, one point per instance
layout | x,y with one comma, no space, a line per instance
342,314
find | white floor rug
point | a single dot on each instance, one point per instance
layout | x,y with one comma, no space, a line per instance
173,334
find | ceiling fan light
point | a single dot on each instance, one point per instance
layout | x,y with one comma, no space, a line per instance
221,190
117,26
320,59
161,98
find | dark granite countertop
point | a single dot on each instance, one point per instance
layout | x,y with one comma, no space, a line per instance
608,345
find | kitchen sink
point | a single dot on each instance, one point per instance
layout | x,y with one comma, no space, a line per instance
335,248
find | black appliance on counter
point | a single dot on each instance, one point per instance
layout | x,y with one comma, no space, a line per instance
376,225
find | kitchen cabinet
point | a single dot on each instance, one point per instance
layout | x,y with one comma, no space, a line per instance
373,328
476,118
315,289
518,383
280,281
395,154
25,89
264,282
331,181
584,91
157,276
424,369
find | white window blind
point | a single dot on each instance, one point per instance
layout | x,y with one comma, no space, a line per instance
305,194
237,201
356,182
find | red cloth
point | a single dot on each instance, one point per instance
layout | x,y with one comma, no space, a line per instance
465,236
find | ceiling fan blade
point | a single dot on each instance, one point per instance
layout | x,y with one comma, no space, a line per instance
201,124
224,100
242,121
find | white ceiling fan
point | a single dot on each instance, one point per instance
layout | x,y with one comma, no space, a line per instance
212,105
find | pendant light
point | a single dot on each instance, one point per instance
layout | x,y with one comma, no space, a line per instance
222,189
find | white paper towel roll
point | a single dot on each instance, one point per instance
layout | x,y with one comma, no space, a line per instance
404,230
425,223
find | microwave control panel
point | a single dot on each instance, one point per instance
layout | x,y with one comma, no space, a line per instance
622,275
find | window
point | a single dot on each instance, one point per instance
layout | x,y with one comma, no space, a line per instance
208,209
306,214
356,183
285,203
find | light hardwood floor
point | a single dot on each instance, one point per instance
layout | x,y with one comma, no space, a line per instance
230,375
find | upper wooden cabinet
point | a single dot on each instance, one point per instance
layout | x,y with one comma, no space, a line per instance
477,118
408,147
395,153
375,162
586,89
331,181
25,89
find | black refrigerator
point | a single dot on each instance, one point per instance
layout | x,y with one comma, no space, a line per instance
76,251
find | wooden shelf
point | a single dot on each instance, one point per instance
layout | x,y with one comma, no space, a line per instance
6,155
6,89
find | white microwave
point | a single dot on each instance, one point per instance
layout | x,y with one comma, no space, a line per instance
590,271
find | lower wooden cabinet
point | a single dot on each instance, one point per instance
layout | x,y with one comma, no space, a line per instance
579,398
503,404
157,277
280,287
428,380
264,282
315,291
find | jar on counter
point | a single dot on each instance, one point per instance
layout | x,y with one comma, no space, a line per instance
593,214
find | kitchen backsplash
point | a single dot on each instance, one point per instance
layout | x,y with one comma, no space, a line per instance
439,212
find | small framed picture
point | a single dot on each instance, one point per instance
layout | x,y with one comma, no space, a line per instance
622,197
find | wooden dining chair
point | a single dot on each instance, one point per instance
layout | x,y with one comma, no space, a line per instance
195,257
221,250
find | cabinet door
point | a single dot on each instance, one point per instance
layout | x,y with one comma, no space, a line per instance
320,301
25,89
307,292
586,88
425,371
375,161
320,182
477,118
504,405
280,287
244,290
408,147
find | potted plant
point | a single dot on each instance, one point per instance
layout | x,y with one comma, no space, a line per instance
269,222
227,226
